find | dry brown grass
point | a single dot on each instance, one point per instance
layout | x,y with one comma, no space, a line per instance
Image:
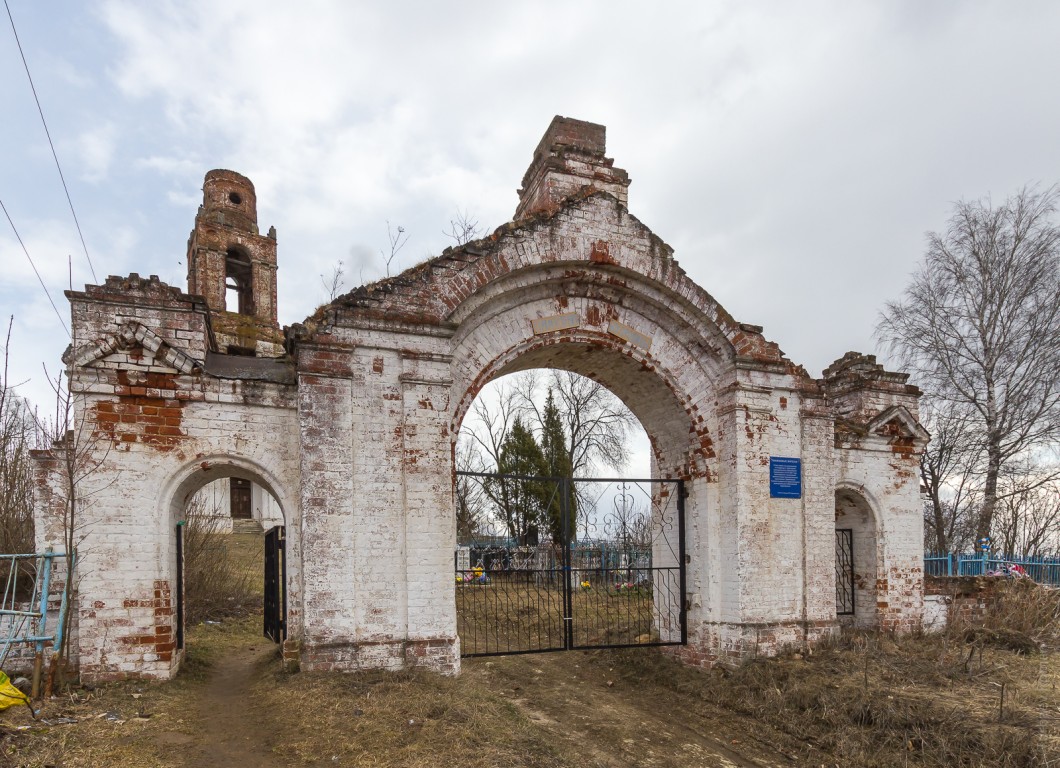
866,699
403,719
369,719
512,613
222,572
971,696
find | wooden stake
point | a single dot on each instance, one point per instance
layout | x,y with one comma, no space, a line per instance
38,661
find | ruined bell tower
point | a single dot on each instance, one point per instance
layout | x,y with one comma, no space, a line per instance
233,267
569,159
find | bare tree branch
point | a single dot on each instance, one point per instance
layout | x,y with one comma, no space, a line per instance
397,238
463,229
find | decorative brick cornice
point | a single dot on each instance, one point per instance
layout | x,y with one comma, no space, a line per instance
131,334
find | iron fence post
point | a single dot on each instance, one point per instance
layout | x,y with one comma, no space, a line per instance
681,559
57,644
568,536
46,562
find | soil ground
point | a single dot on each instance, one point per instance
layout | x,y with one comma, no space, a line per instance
567,709
866,700
232,706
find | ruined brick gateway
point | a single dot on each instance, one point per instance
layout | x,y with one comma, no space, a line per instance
348,419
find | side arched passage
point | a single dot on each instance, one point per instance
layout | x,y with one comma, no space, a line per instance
857,560
185,485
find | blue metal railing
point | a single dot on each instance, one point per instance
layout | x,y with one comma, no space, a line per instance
27,597
1044,570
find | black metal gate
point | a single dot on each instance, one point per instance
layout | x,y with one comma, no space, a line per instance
550,564
844,571
275,603
180,586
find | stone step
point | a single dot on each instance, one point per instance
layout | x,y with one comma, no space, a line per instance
247,526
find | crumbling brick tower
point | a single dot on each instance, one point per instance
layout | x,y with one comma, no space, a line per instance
233,267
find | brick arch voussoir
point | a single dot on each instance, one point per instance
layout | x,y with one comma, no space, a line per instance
626,291
194,475
699,457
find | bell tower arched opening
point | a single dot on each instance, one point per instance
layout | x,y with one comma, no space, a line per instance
233,267
239,293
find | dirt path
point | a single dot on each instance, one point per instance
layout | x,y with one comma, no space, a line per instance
231,735
605,721
614,724
592,714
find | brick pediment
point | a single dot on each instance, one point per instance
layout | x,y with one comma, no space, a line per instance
132,335
892,429
898,422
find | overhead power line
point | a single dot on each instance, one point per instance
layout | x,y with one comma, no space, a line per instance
30,259
51,144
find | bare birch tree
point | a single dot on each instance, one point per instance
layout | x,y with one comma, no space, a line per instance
979,324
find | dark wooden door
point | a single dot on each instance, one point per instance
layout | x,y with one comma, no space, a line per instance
240,499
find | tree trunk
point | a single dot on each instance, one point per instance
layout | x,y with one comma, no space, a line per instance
993,469
993,462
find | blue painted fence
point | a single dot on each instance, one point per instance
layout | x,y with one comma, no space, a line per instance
1044,570
32,593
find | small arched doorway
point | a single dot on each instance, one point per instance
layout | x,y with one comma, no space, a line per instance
210,536
857,559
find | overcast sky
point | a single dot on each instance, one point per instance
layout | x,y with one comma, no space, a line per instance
792,154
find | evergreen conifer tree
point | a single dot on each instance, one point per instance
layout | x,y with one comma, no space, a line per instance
556,454
524,502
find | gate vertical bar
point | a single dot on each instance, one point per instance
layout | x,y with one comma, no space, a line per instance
681,555
270,596
274,600
565,490
282,586
844,572
44,582
180,585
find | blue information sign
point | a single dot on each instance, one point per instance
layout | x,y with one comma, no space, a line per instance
785,478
